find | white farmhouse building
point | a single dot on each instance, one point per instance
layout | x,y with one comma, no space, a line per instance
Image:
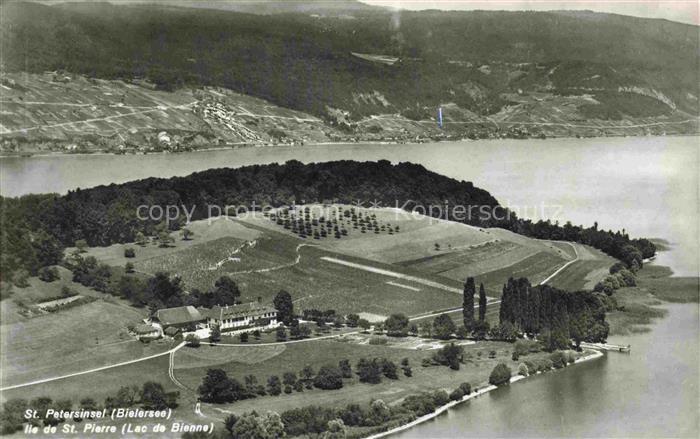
248,315
186,320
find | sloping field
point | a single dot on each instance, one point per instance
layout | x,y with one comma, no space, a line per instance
204,232
318,283
417,238
201,265
68,341
592,266
445,249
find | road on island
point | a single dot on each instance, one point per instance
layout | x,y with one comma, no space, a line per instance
563,267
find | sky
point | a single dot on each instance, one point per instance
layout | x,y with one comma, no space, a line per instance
684,11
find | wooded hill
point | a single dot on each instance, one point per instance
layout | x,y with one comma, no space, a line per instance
36,228
372,62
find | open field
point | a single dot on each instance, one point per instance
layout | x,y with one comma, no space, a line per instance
71,340
204,232
39,291
100,384
275,260
591,267
449,250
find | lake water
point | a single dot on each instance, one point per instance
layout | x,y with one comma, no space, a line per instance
647,185
651,392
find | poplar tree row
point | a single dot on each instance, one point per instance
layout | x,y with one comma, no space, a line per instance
554,316
468,305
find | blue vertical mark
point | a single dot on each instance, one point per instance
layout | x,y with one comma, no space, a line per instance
440,117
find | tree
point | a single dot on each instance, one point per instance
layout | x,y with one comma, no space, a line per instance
307,375
345,368
12,416
450,355
468,303
284,306
225,291
369,371
389,369
352,320
462,333
254,426
272,422
192,341
127,395
281,333
558,359
153,397
443,327
243,337
129,252
186,234
523,370
164,239
328,378
397,325
88,404
81,245
505,331
335,430
480,330
230,423
215,335
482,303
364,324
289,378
274,385
49,274
129,268
20,278
500,375
141,239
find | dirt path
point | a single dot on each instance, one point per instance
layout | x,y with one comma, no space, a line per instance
563,266
278,267
394,274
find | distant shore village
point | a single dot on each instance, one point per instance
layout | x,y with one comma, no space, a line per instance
186,320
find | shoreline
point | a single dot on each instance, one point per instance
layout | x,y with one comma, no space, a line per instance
595,354
48,154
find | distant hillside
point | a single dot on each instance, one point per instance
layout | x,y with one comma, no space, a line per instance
371,75
261,7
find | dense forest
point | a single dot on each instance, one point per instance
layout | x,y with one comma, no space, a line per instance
554,316
307,62
36,228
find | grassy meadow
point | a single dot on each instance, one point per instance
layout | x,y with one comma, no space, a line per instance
71,340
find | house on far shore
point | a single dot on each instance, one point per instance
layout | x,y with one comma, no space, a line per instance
239,317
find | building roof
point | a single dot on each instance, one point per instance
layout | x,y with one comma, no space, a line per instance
171,331
144,329
243,310
179,315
